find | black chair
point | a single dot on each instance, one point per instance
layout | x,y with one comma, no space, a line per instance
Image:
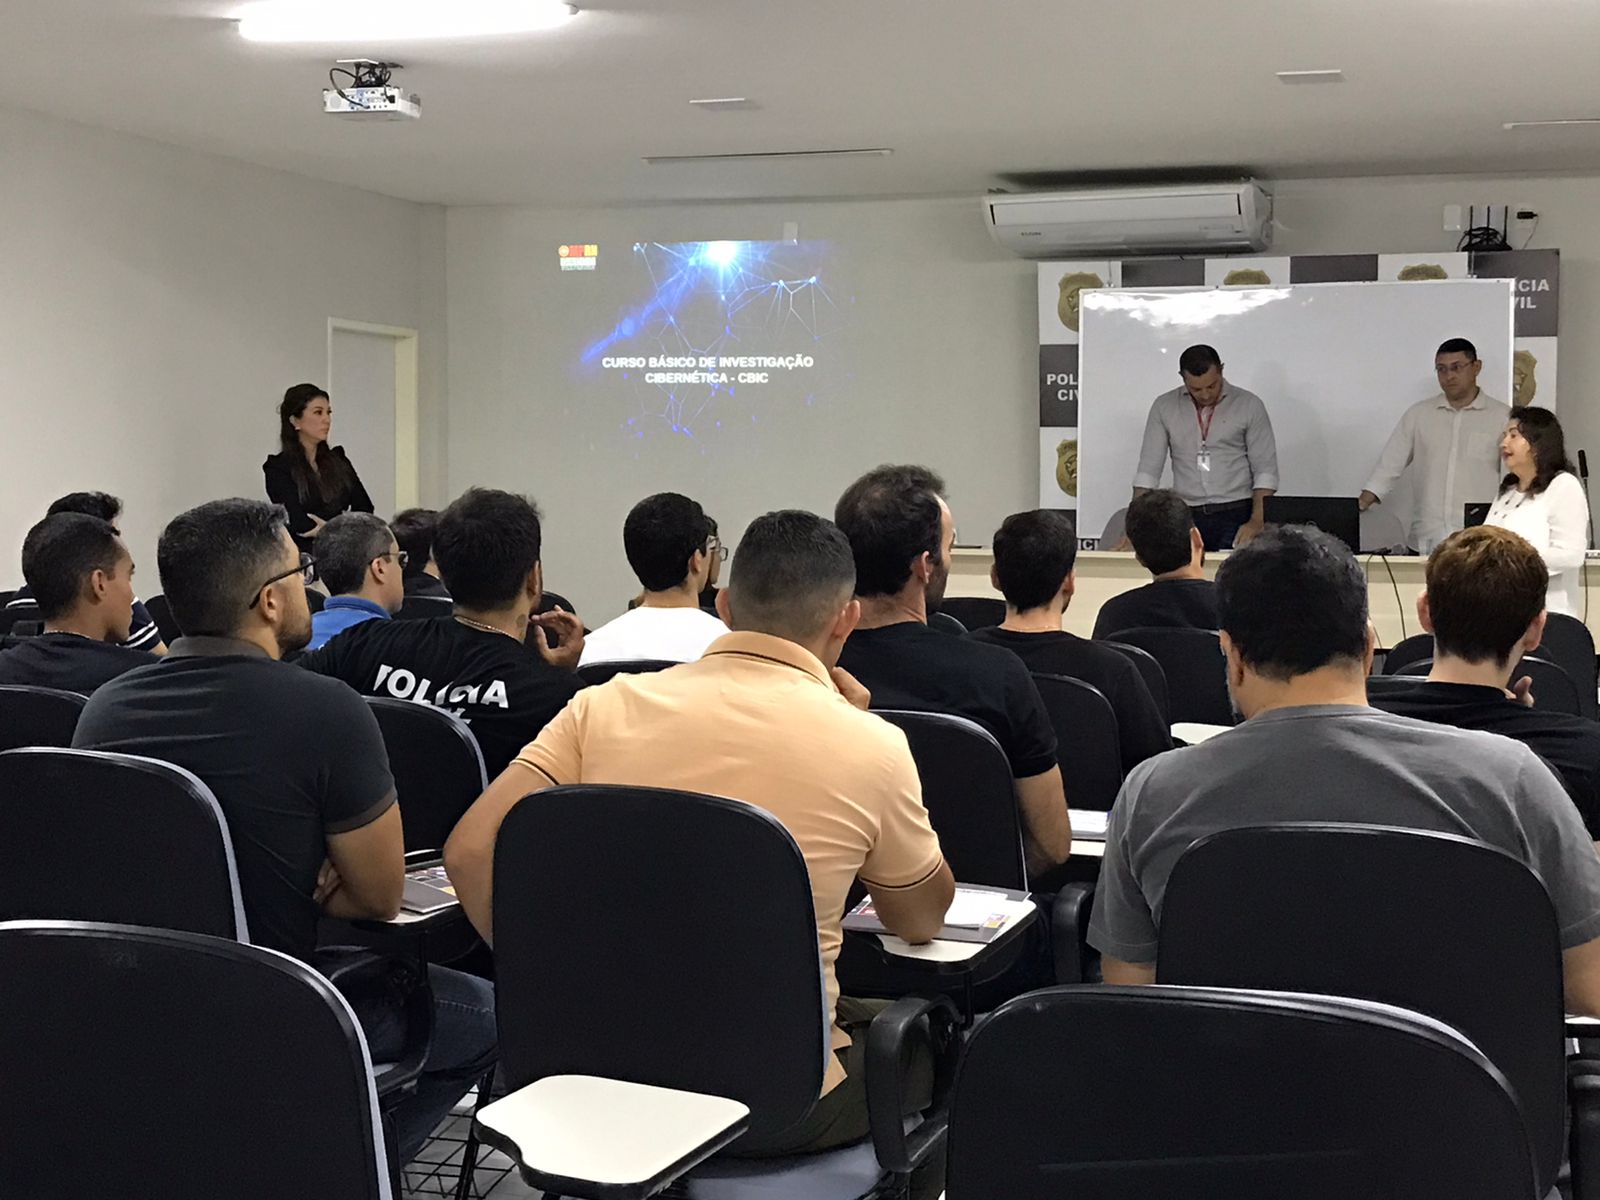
1433,922
970,798
1380,685
1104,1093
315,600
1087,740
35,716
1403,658
422,608
605,672
1553,689
1569,644
179,1066
90,836
1197,677
161,613
975,612
437,767
945,623
694,969
21,620
1150,671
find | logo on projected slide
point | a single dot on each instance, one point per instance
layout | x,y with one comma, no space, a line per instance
578,257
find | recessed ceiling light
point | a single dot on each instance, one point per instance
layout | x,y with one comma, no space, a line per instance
723,103
1330,75
766,155
1563,123
395,20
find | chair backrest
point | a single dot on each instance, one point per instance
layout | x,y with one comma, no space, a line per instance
315,600
21,620
945,623
160,1058
1553,689
1086,740
611,951
161,613
91,836
420,608
35,716
1380,685
975,612
437,767
1155,679
1403,657
1197,677
1441,924
1569,644
1244,1095
969,794
604,672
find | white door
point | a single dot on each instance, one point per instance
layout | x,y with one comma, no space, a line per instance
361,384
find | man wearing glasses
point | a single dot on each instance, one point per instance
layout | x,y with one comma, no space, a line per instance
363,568
297,764
672,548
1453,442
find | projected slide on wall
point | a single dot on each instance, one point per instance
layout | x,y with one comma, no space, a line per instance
711,335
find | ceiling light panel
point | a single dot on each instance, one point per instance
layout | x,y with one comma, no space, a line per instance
336,21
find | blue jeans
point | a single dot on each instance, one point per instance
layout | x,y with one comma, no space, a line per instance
463,1048
1218,527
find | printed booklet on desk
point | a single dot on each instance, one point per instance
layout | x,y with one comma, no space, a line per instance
975,915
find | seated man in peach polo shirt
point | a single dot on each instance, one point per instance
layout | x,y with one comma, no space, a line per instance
747,721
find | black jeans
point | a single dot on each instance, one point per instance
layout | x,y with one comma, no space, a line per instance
1219,525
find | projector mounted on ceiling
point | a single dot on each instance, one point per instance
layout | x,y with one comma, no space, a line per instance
369,94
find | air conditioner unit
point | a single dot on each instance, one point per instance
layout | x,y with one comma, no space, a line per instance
1168,219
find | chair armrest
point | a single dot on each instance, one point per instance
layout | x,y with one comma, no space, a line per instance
1069,930
1583,1149
935,1022
362,976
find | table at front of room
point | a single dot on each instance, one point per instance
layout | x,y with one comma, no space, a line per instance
1102,574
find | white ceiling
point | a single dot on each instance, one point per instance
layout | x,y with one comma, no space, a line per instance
968,93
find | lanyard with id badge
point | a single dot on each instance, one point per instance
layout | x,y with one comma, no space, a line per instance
1202,459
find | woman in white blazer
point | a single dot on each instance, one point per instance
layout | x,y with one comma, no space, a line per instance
1541,499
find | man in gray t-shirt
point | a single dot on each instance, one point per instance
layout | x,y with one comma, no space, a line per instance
1292,606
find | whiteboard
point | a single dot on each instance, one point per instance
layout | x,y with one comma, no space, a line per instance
1335,363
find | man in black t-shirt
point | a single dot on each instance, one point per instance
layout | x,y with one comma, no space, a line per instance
1484,605
473,663
1161,528
413,529
901,533
297,764
1034,553
81,576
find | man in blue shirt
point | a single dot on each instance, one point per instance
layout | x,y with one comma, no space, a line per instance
363,567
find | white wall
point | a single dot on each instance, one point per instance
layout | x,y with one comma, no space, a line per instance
155,302
946,351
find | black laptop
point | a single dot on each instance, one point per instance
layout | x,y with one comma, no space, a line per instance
1336,515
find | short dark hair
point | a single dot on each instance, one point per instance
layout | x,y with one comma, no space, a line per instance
91,504
1542,431
794,571
891,515
346,547
660,535
1033,555
61,552
215,558
1157,526
1485,587
1457,346
1197,360
486,545
413,529
1293,600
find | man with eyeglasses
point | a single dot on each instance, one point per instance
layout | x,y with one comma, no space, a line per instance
297,764
1452,444
673,550
363,567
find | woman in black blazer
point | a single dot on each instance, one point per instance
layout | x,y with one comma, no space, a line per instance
313,481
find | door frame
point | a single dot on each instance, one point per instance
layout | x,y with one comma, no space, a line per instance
407,433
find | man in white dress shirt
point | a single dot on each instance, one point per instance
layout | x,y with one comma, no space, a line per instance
1453,443
1224,455
671,548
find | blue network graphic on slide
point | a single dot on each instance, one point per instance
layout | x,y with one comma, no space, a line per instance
718,301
